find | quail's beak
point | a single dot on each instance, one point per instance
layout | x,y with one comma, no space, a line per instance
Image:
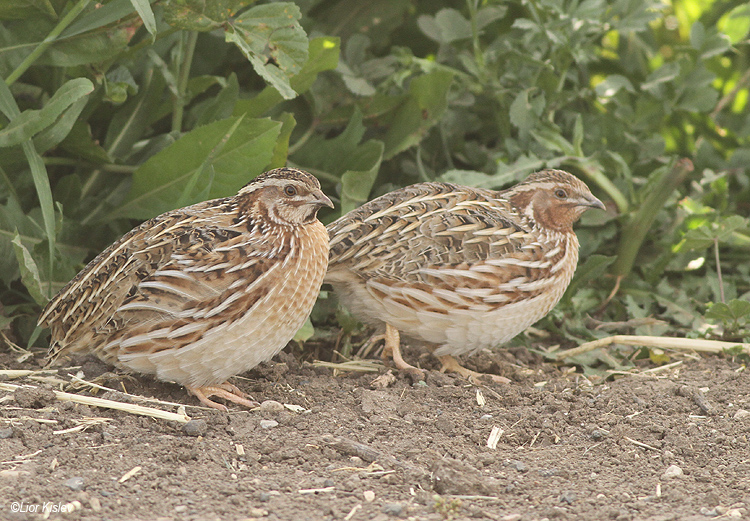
321,199
593,202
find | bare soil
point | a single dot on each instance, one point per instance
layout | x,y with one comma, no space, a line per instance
672,445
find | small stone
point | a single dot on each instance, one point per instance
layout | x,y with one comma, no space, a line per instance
268,424
742,414
736,513
195,428
520,466
511,517
486,417
369,496
75,483
95,504
568,497
393,509
6,433
264,497
597,435
271,406
257,512
673,471
329,483
180,509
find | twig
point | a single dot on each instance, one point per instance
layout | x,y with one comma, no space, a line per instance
642,445
689,344
698,397
107,404
364,366
135,397
367,453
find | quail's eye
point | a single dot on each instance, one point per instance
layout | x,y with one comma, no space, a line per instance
290,190
560,193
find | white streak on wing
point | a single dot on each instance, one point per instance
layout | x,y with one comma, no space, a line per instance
552,252
172,273
155,284
449,272
192,327
144,338
510,261
142,306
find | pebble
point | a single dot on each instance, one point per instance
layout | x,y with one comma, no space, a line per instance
369,496
6,433
568,497
271,406
268,424
520,466
673,471
195,428
180,509
741,414
393,509
75,483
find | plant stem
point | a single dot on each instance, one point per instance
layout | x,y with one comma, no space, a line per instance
718,270
182,81
478,56
51,37
107,167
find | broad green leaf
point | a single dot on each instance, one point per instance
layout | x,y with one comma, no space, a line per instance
323,56
29,272
201,15
222,105
733,312
271,37
736,23
521,114
356,164
99,16
425,105
244,154
30,122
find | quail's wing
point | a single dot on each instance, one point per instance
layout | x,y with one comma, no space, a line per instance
174,269
441,244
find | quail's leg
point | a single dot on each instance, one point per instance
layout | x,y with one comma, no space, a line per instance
226,390
450,364
392,350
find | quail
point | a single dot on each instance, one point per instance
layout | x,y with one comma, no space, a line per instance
458,268
202,293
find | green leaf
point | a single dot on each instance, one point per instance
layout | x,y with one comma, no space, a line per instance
281,150
612,84
147,15
245,152
730,313
323,56
305,332
29,271
55,134
356,164
427,101
736,23
271,37
201,15
593,268
30,122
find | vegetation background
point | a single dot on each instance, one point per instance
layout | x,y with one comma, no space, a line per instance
113,112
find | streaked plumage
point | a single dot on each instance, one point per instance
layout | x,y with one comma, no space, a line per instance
460,268
202,293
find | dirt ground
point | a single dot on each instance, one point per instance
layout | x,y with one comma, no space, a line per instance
670,445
